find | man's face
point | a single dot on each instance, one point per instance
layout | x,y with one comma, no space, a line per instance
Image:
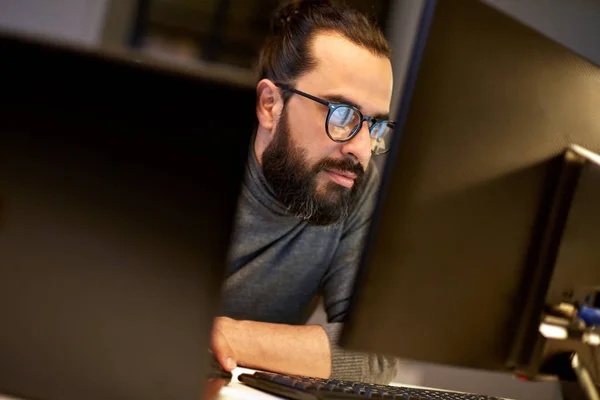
316,178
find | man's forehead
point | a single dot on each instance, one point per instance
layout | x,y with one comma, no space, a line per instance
350,71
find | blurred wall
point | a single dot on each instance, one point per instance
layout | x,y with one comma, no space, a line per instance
72,20
572,23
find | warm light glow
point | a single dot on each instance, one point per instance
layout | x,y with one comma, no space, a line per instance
591,338
567,308
586,153
553,331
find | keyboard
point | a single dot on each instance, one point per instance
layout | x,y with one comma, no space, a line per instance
304,388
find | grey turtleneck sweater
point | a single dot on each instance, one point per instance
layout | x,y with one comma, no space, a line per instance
278,263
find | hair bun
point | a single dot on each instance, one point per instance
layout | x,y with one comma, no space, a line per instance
290,10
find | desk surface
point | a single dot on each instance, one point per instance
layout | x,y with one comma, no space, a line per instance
225,389
236,390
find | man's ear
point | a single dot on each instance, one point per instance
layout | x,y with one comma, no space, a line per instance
268,105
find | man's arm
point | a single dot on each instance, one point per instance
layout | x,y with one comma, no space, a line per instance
297,350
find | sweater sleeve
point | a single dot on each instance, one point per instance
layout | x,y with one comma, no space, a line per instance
337,286
356,366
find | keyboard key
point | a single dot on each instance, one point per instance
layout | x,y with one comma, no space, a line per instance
302,385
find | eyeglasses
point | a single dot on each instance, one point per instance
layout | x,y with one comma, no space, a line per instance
344,121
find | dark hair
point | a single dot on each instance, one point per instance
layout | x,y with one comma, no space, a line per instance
285,55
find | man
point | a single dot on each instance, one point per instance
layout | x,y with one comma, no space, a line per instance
322,107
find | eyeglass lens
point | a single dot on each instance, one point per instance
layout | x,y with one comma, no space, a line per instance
343,121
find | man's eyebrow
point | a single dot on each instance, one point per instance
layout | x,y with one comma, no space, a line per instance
339,99
336,98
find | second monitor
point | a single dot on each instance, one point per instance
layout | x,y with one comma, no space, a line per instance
453,252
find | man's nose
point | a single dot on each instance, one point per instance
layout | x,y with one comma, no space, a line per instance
360,146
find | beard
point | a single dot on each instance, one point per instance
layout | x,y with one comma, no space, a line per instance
294,180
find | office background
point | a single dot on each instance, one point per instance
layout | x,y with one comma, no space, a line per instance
228,32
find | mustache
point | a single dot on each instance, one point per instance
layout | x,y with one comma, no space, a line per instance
341,165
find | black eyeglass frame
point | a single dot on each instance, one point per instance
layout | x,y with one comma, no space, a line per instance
334,106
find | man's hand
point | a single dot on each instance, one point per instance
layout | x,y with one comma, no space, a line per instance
297,350
220,345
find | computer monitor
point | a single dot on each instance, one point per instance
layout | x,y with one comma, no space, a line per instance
118,184
458,267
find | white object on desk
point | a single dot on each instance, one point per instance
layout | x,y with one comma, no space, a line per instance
236,390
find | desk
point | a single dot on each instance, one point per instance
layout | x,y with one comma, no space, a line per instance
222,389
225,389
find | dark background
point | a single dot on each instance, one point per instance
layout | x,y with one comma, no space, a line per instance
220,31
